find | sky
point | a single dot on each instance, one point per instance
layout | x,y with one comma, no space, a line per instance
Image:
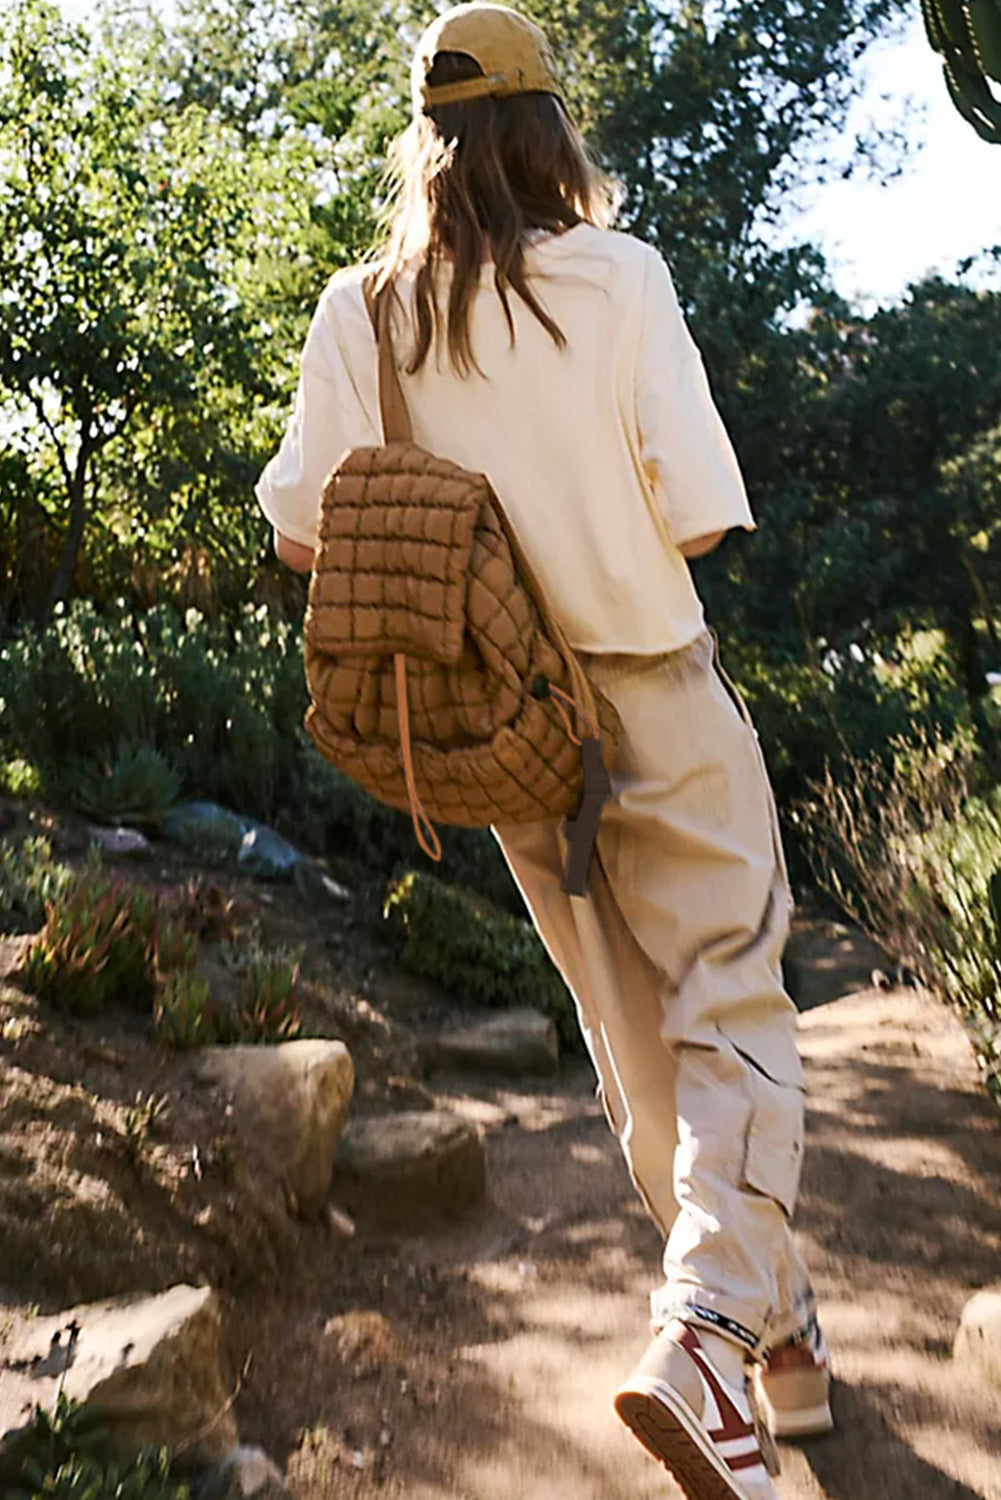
945,204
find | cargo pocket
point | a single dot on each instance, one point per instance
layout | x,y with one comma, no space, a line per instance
773,1155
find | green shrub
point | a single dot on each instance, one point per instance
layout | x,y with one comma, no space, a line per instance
480,954
96,947
915,858
66,1458
29,878
221,702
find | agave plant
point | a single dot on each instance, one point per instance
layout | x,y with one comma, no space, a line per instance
136,785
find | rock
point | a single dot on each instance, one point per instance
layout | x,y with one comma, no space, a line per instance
290,1105
315,885
152,1364
978,1341
266,855
516,1041
120,841
412,1171
244,1474
206,828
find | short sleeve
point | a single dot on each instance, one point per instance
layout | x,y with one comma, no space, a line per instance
686,452
327,419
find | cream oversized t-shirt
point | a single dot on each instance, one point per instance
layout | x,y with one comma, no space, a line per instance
606,454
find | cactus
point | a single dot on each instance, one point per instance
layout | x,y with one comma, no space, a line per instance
967,33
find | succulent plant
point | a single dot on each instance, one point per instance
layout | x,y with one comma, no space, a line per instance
96,946
269,1008
135,785
182,1012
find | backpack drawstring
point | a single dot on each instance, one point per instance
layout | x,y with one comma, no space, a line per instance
421,821
417,812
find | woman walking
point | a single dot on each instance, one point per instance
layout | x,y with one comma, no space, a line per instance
544,349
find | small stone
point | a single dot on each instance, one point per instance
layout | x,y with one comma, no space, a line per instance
516,1041
364,1340
313,883
244,1474
339,1224
978,1341
120,841
410,1171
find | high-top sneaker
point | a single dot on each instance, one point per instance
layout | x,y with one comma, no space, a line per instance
700,1426
793,1387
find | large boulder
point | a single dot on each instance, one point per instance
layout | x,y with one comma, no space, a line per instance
152,1365
978,1342
290,1107
412,1171
514,1042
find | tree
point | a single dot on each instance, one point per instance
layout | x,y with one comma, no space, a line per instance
119,229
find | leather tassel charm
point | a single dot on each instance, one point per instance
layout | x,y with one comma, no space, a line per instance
581,830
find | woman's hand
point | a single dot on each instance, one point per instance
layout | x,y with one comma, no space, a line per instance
293,554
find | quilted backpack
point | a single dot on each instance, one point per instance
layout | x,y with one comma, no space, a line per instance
439,680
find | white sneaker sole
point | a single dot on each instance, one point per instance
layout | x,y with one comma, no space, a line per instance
664,1424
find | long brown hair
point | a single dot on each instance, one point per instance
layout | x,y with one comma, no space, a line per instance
471,180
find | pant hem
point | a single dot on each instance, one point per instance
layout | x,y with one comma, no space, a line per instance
707,1312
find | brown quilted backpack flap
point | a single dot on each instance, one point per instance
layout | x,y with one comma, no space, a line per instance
395,546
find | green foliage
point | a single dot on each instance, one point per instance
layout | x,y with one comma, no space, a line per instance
96,947
141,1120
19,778
269,1007
480,954
219,703
66,1458
29,879
138,785
122,385
183,1013
913,855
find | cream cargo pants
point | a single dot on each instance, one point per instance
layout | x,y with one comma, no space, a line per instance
673,960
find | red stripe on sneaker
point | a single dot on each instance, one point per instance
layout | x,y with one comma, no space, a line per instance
747,1462
735,1424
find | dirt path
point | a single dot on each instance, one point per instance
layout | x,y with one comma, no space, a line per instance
478,1364
520,1328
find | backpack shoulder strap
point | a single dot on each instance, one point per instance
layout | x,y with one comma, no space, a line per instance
396,424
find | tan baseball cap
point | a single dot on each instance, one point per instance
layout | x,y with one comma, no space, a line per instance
511,50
